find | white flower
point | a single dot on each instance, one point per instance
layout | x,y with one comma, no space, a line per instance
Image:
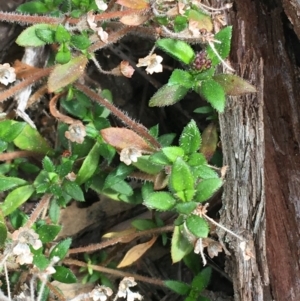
23,253
101,5
153,63
101,293
7,74
129,155
103,35
76,132
125,292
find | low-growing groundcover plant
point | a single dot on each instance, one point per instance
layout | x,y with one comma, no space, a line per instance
92,154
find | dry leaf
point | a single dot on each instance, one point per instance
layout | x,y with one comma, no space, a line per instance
126,234
213,247
121,138
134,4
136,252
134,19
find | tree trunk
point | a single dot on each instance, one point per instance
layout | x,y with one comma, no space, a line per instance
261,139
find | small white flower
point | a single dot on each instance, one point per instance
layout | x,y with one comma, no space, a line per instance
76,132
125,292
27,236
101,293
23,253
103,35
129,155
7,74
101,5
153,63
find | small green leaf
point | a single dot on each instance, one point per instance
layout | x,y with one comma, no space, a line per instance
190,139
168,95
10,129
61,249
39,259
196,159
181,77
3,230
63,75
213,93
74,190
30,139
63,56
182,181
29,38
118,175
48,164
144,164
54,211
205,172
123,188
33,7
223,48
89,165
61,34
160,158
80,41
178,49
197,226
204,110
178,287
64,275
173,152
16,198
180,246
186,208
46,35
180,23
7,183
161,201
234,85
143,224
201,281
47,233
206,188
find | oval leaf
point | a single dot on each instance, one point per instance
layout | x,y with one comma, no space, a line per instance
16,198
47,233
181,77
173,152
33,7
206,189
168,95
178,49
61,249
136,253
190,139
3,230
121,138
234,85
197,226
134,4
74,190
64,275
178,287
213,93
161,201
7,183
29,38
210,140
63,75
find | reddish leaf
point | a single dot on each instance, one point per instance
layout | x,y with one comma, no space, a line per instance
134,4
121,138
209,141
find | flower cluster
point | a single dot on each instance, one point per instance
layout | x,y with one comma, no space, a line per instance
201,61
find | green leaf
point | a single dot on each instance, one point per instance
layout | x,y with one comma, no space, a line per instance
80,41
63,56
3,230
160,158
7,183
46,35
173,152
197,225
180,23
196,159
144,164
89,165
47,233
223,48
181,77
123,188
39,259
204,110
64,275
29,38
190,139
62,35
33,7
182,181
16,198
161,201
143,224
186,208
204,21
10,129
48,164
205,172
168,95
201,281
30,139
234,85
180,246
54,211
74,190
63,75
206,188
178,287
213,93
178,49
61,249
118,175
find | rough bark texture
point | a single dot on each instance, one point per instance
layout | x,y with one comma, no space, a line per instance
260,139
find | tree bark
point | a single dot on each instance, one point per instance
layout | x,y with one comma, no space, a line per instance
260,139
